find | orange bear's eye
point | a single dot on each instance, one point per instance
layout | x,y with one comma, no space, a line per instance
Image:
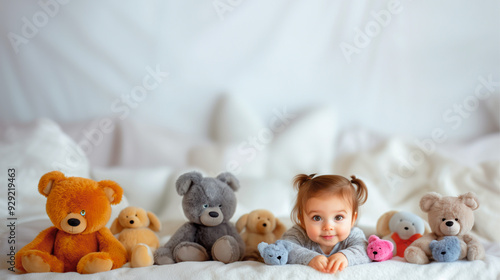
82,213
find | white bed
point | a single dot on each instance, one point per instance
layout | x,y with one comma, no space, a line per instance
153,188
140,94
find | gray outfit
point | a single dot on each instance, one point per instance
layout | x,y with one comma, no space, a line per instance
304,249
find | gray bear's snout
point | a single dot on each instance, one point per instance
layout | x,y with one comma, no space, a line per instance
213,214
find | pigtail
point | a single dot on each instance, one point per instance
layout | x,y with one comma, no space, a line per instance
361,190
300,179
300,184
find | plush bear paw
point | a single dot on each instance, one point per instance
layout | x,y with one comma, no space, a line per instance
35,263
161,256
474,249
252,255
189,251
163,260
475,252
226,249
94,262
141,256
416,255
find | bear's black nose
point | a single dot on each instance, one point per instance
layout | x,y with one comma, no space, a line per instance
449,223
443,253
213,214
264,225
375,252
73,222
279,257
131,221
406,228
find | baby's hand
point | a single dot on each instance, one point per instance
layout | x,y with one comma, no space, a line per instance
336,262
319,263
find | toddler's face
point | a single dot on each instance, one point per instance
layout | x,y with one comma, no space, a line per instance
328,220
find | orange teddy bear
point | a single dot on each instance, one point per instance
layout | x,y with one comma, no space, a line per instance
79,208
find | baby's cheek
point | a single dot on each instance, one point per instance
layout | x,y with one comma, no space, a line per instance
343,233
312,232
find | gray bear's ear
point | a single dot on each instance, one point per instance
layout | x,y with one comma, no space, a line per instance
229,179
428,200
261,247
470,200
186,180
432,244
287,245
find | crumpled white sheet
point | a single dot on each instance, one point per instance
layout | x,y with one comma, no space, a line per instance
266,183
396,268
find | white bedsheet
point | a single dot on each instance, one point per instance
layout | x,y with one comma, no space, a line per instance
33,149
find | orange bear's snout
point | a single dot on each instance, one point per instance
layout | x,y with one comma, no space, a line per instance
264,227
74,223
132,217
133,222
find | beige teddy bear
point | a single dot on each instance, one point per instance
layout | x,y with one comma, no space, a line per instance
136,228
256,227
447,216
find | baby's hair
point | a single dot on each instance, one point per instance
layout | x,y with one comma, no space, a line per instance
310,186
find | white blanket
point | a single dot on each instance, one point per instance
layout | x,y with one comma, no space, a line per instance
395,176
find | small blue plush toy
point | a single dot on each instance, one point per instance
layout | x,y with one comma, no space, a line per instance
445,250
275,254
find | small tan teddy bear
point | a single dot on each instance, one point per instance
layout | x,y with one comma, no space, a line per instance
447,216
256,227
136,228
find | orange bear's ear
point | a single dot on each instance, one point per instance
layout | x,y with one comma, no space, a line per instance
47,181
113,191
154,222
242,222
116,227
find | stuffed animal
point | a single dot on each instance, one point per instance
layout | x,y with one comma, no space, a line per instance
79,208
448,216
445,250
208,203
136,228
379,249
275,254
256,227
401,228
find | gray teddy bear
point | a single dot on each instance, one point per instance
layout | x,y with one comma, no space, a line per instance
208,203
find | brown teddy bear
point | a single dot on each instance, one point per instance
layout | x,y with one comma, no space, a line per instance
136,228
259,226
79,208
448,216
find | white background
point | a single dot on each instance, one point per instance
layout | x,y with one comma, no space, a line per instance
73,61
